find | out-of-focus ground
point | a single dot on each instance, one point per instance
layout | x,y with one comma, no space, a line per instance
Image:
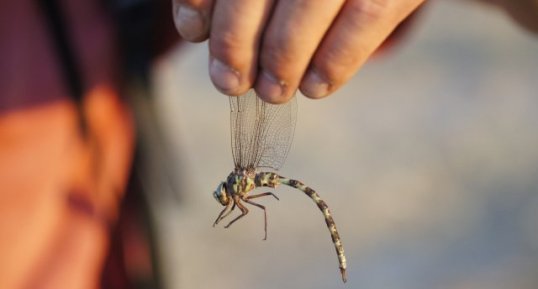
428,160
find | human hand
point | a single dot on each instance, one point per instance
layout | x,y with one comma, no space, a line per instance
277,47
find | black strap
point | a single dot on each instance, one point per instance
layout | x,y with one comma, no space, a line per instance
64,51
134,21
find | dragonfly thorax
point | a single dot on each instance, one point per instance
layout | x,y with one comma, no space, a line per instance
239,182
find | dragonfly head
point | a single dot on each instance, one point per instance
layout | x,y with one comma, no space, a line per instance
220,194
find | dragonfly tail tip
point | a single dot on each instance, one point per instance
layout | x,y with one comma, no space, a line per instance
343,272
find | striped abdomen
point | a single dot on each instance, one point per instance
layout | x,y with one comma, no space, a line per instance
271,180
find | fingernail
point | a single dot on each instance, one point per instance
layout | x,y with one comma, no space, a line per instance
313,85
189,22
269,88
224,77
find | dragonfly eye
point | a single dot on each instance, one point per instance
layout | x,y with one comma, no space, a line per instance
220,194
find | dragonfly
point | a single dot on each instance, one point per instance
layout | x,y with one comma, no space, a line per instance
261,137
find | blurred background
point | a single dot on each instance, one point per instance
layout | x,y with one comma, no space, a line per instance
428,160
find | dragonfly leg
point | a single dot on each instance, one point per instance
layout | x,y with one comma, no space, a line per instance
243,209
264,215
222,215
262,195
228,213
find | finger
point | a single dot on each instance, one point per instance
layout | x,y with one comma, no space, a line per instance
236,29
192,18
360,28
295,30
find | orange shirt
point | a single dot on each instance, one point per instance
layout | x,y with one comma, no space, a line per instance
59,194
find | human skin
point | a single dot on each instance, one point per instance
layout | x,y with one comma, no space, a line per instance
316,46
277,47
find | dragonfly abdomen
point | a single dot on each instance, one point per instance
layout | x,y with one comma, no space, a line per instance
328,218
266,179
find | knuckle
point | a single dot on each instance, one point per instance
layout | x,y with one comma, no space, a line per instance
226,46
276,58
371,9
336,63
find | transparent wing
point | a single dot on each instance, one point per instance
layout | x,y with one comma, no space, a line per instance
262,133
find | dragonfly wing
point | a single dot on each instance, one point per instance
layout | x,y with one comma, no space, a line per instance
262,133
